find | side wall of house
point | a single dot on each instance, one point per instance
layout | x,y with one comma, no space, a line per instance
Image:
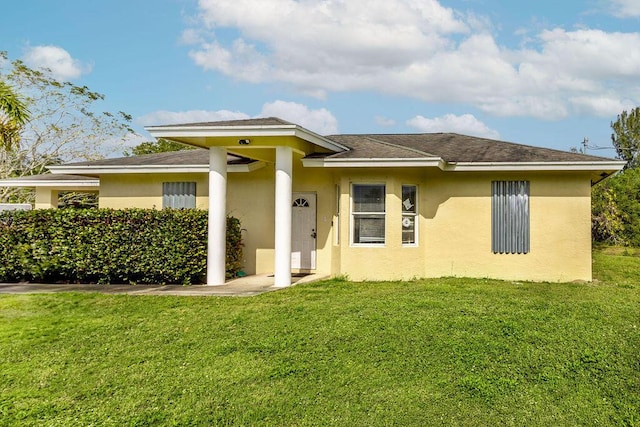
455,228
144,190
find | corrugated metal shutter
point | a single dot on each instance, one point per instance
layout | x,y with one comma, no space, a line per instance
510,217
178,195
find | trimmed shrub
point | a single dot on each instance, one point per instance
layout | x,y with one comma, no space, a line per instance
110,246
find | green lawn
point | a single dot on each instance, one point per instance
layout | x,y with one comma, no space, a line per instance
427,352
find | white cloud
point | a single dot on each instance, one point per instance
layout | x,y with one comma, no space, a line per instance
56,59
320,121
191,36
384,121
415,48
164,117
115,147
602,106
465,124
333,40
625,8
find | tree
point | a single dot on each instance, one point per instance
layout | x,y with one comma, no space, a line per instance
13,114
626,137
159,146
64,125
615,204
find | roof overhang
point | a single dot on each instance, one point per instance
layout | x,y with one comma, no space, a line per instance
204,135
598,169
613,165
374,162
119,169
55,182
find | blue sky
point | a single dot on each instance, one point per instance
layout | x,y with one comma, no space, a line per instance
545,73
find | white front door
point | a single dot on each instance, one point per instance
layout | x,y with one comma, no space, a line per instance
303,231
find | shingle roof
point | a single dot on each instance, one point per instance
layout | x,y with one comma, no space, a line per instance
450,147
263,121
52,177
52,180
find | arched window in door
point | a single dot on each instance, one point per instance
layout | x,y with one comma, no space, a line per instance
300,203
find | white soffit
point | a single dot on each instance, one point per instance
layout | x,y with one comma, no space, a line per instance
614,165
535,166
374,163
57,183
100,170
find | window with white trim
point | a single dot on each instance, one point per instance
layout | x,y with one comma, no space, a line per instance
510,217
409,215
178,195
336,216
368,214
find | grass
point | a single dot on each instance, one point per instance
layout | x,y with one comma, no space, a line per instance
427,352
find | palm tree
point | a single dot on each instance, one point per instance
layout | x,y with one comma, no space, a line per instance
13,114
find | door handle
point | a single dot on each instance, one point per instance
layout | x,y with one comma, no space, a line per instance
313,233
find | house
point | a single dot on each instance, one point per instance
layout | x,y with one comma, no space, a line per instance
380,207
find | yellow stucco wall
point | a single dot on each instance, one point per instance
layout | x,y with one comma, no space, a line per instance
458,229
119,191
46,198
454,227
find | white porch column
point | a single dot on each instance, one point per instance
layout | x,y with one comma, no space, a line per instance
216,250
284,172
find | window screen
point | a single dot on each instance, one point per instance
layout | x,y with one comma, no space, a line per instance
409,214
510,217
368,211
178,195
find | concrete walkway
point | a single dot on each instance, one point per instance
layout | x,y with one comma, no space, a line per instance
244,286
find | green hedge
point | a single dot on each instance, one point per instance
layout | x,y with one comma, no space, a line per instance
615,207
110,246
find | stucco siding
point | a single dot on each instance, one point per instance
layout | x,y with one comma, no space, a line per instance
458,228
454,221
251,199
119,191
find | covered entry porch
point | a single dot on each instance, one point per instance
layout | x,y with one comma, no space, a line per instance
269,140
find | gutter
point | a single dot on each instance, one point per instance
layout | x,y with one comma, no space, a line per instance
119,169
584,166
373,162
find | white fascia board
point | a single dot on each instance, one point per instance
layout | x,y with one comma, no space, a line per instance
588,166
374,163
103,170
169,132
613,165
319,140
62,184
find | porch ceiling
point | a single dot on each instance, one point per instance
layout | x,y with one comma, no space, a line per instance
252,147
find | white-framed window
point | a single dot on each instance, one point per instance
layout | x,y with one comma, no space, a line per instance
179,195
368,214
510,217
336,215
409,215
